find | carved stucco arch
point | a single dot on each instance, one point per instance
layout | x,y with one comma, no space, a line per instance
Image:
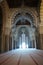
16,32
30,11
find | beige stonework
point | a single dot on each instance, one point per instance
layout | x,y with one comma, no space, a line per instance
41,17
41,24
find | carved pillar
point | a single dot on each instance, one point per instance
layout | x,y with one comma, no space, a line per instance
7,42
35,43
3,43
32,43
10,43
41,41
15,44
20,41
26,41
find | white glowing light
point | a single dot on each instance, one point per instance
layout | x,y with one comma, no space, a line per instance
27,46
23,45
20,47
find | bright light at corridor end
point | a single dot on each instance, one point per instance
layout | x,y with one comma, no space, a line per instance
23,46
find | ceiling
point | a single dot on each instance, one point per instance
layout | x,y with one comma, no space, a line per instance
18,3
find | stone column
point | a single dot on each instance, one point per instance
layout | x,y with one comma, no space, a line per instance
7,43
41,41
35,41
32,43
12,41
3,43
15,44
20,42
26,41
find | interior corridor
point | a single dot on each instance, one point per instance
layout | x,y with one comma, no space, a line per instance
22,57
21,32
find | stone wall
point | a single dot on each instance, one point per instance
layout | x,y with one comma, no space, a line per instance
41,24
6,26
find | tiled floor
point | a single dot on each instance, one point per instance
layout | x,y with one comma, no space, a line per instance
22,57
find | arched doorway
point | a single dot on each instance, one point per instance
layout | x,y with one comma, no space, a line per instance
24,27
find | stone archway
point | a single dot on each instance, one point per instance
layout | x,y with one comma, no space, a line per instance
21,17
29,11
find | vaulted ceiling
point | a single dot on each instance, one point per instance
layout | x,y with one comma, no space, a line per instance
18,3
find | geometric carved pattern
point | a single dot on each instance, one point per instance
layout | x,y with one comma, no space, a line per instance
30,11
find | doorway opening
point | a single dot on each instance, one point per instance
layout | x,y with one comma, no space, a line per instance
24,31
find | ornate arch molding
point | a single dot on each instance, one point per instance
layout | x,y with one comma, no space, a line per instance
30,11
16,31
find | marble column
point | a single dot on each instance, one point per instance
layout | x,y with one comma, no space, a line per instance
12,41
20,41
23,37
26,41
32,43
15,44
35,42
34,38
